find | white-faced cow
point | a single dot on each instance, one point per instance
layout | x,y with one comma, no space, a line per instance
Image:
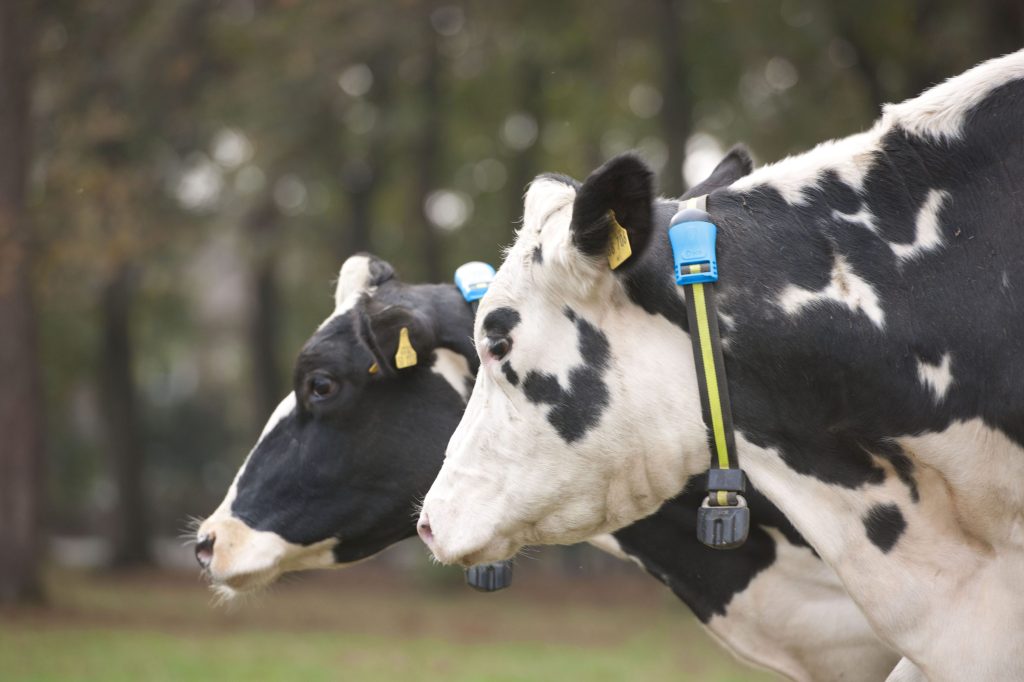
871,298
337,472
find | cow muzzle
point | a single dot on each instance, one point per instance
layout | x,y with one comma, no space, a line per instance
240,559
463,545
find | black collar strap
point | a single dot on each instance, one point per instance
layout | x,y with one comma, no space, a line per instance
723,520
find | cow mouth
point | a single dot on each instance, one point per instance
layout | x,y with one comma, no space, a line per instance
230,587
493,551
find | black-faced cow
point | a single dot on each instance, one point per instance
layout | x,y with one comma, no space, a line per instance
338,470
871,298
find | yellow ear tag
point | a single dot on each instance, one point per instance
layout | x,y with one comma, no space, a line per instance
374,368
406,354
618,243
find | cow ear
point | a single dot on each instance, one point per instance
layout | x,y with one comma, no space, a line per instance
359,273
619,194
732,167
398,337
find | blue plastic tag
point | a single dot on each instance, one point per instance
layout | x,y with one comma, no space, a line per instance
693,244
473,279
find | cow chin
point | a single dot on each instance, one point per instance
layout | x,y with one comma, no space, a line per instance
473,553
245,560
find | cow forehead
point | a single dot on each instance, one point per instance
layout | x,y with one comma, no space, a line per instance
542,263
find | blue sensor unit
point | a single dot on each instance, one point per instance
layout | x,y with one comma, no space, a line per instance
473,279
693,244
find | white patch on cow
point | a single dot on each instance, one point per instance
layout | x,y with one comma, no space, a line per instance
545,199
928,235
728,322
940,112
285,408
862,217
993,471
850,158
845,287
546,218
353,279
938,377
796,619
453,368
353,282
1004,281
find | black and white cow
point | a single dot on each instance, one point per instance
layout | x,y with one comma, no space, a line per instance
871,299
337,472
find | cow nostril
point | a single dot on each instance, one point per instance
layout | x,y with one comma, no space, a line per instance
423,528
204,550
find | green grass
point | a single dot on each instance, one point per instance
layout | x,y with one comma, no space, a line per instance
359,625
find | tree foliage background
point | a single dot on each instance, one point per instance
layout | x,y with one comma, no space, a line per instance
201,168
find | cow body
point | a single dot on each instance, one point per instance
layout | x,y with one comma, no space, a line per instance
290,506
872,311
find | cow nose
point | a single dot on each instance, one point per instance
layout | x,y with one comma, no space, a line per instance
423,528
204,550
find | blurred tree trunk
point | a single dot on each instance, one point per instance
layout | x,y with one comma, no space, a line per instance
1005,25
262,226
362,177
128,526
676,115
525,165
21,448
428,146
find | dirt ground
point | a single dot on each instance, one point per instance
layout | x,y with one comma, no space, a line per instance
368,622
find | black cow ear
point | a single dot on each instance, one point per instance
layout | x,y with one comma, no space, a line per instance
398,337
732,167
619,194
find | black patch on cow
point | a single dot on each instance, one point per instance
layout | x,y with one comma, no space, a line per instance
884,524
510,374
901,464
577,409
538,255
500,322
705,579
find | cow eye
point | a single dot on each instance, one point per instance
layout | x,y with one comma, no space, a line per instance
499,346
322,387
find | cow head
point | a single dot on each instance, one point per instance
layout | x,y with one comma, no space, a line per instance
341,464
585,415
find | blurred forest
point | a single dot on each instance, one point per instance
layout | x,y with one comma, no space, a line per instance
181,180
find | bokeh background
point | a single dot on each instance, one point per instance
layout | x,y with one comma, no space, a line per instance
179,184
